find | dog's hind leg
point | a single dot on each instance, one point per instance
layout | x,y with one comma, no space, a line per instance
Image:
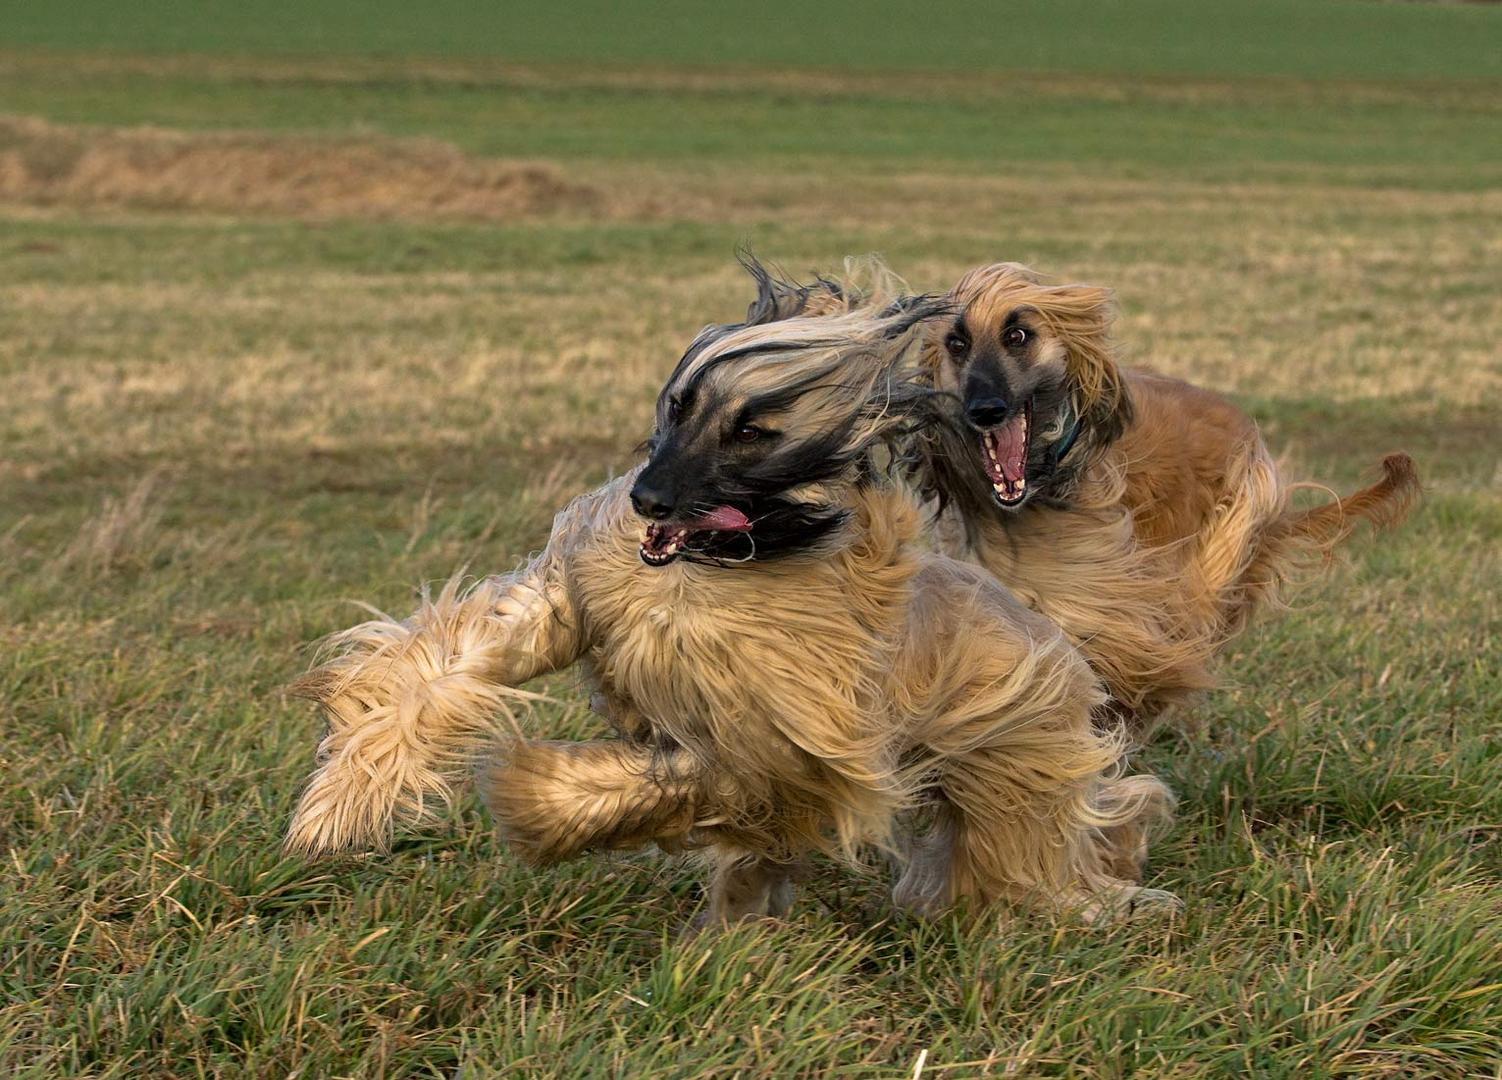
1024,779
923,885
745,886
552,801
1049,856
1123,847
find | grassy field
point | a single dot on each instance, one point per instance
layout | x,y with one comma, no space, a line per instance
301,311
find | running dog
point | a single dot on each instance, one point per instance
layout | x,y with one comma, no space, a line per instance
1142,515
787,669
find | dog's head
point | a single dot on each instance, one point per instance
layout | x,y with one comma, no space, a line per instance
1032,380
766,425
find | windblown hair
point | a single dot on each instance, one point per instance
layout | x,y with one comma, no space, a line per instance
829,698
852,389
824,372
1156,522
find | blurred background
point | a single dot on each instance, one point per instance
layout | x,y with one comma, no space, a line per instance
307,303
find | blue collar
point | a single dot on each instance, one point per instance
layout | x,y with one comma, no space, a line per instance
1066,441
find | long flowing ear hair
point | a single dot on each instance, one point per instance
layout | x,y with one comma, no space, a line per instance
865,281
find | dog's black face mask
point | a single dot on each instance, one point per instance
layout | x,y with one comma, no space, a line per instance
766,425
1012,406
731,482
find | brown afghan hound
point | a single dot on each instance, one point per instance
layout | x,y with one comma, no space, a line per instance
1141,514
787,670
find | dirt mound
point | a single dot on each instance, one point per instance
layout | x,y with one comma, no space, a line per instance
265,173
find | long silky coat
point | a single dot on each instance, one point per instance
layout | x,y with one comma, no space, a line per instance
1157,521
826,699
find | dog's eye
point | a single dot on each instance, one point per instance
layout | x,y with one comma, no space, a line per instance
1014,338
675,410
956,345
747,433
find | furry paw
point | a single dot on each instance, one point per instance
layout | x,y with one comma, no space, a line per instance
1149,903
1132,902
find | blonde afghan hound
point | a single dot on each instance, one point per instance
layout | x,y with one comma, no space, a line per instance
1141,514
787,670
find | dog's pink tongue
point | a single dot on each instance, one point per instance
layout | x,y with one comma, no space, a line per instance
1011,447
724,519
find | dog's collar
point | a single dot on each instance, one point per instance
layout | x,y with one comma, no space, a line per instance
1065,442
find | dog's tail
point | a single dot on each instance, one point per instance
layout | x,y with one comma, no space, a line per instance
1384,504
1295,539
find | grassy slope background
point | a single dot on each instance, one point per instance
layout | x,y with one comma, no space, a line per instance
217,427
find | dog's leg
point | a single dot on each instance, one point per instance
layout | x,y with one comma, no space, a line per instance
1052,842
745,886
1024,776
554,800
1123,847
923,887
410,702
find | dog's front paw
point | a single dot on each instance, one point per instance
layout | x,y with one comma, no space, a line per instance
1150,903
1132,902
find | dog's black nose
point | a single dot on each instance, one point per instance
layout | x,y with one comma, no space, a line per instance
986,412
651,503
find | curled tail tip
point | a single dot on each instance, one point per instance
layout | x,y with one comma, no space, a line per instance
1382,505
1400,487
1400,472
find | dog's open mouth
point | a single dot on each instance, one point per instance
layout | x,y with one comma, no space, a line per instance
1003,452
665,541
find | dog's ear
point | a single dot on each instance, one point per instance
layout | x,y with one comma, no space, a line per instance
1084,316
779,298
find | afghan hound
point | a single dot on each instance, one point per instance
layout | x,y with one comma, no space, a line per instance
787,670
1141,514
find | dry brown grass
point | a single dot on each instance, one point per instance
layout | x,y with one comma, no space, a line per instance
254,172
1385,302
125,530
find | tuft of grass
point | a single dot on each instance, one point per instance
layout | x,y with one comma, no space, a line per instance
123,532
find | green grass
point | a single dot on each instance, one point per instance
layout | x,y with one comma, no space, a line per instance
1221,37
1117,127
217,429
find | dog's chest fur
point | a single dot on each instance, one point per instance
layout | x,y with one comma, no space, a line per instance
773,672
